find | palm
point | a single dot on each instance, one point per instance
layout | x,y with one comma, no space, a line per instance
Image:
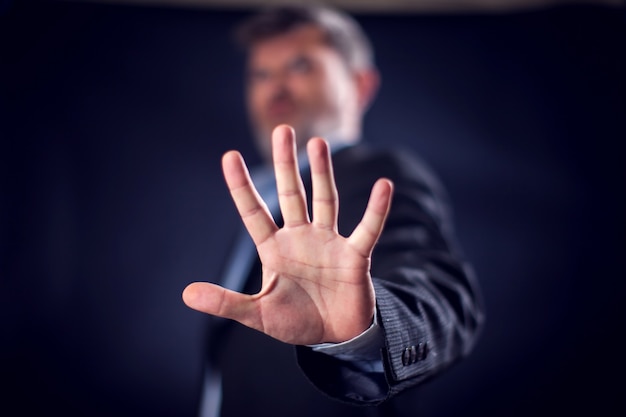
316,285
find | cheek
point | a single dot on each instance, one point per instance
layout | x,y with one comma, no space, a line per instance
331,97
254,101
334,85
318,92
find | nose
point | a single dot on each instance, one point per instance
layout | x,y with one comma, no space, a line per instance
278,84
278,79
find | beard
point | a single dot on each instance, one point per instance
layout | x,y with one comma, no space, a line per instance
307,122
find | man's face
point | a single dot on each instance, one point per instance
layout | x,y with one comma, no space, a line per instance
297,79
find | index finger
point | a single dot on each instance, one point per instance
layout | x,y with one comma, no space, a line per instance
251,207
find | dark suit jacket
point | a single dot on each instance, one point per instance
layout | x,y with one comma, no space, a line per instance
427,298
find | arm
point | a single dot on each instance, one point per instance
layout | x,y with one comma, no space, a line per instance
427,298
317,285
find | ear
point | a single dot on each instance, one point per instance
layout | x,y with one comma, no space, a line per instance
367,84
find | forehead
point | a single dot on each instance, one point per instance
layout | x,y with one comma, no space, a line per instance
305,39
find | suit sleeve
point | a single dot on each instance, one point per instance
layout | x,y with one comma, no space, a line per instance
427,296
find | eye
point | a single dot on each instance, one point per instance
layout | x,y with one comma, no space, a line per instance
258,75
300,65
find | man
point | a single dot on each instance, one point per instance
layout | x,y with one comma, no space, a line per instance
375,296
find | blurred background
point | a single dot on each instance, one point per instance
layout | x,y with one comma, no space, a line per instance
113,118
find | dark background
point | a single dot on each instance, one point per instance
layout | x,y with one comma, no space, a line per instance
113,119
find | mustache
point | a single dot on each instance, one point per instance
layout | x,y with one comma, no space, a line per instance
281,96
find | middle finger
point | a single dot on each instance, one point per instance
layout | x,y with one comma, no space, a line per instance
291,194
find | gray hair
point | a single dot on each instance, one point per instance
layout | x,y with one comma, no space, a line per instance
341,31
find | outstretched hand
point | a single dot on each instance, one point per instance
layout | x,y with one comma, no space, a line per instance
316,284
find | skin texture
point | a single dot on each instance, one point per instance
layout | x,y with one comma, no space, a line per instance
316,284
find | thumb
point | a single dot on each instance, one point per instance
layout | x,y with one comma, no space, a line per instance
218,301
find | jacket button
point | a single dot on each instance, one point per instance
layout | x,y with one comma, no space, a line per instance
413,354
409,355
422,351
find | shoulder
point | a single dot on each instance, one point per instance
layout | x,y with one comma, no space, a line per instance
367,163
